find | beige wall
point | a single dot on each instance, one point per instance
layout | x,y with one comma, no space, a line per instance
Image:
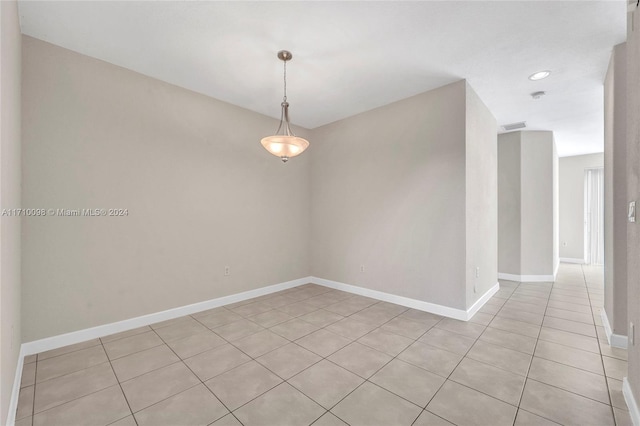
528,194
633,193
538,220
572,203
201,192
388,193
615,180
10,165
481,197
509,213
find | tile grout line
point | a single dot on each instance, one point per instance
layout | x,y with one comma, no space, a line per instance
606,382
199,379
535,346
119,384
35,383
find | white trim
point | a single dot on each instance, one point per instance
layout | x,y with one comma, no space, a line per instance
15,392
433,308
634,411
61,340
482,300
526,278
615,340
572,260
555,270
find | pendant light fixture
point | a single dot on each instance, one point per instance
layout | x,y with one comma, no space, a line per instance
284,143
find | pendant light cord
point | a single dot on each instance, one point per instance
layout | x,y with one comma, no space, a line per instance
285,81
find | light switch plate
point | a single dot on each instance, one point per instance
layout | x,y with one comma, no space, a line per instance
632,211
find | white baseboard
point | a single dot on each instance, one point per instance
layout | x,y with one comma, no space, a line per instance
615,340
526,278
572,260
71,338
634,411
433,308
482,300
61,340
15,392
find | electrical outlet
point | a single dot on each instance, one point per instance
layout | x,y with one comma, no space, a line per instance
227,271
478,272
361,268
632,338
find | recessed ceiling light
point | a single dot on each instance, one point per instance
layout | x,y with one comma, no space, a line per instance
539,75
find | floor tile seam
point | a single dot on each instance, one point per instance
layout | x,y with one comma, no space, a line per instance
604,370
560,329
581,322
514,332
124,337
539,415
535,347
324,414
221,325
155,327
35,384
579,304
574,366
499,367
202,351
132,353
506,347
69,373
530,294
485,393
433,414
520,301
268,390
75,398
571,392
613,357
543,381
458,333
572,297
80,397
365,380
124,395
475,340
569,346
67,353
516,319
196,376
571,293
122,418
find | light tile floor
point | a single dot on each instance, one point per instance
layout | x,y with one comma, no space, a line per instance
535,354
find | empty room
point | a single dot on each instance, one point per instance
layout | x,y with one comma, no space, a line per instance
384,213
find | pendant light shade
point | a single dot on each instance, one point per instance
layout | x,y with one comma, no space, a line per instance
284,144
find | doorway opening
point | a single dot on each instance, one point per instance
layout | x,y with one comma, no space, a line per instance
594,216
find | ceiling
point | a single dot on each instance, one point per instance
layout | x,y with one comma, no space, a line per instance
350,57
